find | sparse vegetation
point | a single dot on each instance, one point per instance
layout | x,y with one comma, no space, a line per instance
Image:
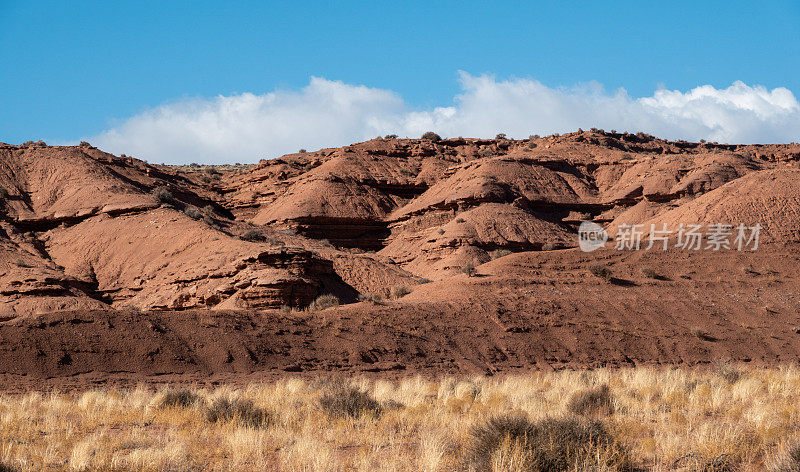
20,262
469,269
181,398
650,273
163,195
252,235
549,246
341,400
302,151
788,460
390,136
500,136
85,144
701,334
241,412
498,253
374,298
39,143
193,212
727,371
592,402
324,301
601,271
6,468
749,270
431,136
513,442
399,291
668,419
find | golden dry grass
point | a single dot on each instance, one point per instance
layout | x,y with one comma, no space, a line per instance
668,420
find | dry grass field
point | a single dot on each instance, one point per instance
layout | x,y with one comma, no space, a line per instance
719,419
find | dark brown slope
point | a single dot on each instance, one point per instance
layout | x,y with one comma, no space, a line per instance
535,310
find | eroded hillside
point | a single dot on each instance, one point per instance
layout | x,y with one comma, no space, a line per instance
113,240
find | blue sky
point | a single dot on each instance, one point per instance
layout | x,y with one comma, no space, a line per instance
78,69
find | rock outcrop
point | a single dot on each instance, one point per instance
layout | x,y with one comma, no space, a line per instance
83,229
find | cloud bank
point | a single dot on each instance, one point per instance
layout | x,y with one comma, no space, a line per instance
325,113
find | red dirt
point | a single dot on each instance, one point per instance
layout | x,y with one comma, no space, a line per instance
188,290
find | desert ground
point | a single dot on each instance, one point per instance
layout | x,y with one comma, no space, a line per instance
400,304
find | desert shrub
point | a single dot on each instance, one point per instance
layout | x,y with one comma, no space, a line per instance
547,445
163,195
460,220
374,298
593,401
749,270
431,136
424,280
399,291
7,468
534,136
181,398
649,273
3,192
549,246
20,262
487,152
324,301
302,151
85,144
285,309
242,412
252,235
498,253
440,231
469,269
500,136
728,372
787,461
390,136
601,271
341,400
696,462
193,212
701,334
209,210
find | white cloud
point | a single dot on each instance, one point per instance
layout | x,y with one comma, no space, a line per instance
328,113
